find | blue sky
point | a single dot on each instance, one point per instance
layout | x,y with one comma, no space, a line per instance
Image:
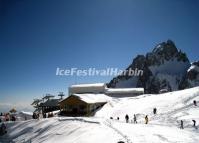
37,36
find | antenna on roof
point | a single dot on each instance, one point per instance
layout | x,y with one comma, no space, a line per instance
61,94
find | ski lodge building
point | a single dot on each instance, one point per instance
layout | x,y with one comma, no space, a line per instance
85,99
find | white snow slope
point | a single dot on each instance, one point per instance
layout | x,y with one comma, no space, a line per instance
162,128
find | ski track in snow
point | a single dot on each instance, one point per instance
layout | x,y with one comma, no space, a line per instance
125,137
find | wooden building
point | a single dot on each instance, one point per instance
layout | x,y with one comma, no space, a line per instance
82,104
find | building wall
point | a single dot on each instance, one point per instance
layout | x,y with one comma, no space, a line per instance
73,106
80,90
123,94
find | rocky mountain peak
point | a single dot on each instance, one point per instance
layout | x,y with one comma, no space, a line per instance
158,70
165,51
166,48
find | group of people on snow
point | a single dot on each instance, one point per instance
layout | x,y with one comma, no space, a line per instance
194,121
7,117
155,112
182,124
44,115
135,119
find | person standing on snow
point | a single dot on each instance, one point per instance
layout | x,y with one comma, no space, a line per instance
181,124
194,124
134,119
127,118
195,103
146,119
154,111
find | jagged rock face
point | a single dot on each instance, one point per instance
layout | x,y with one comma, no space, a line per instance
193,71
192,76
163,68
165,51
126,80
161,52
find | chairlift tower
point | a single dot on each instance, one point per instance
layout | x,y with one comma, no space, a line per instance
61,94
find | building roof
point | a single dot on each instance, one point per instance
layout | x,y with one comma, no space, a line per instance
124,90
50,103
91,98
88,85
36,101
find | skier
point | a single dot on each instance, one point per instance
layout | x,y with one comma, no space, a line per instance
194,102
181,124
154,111
135,119
118,118
194,123
127,118
146,119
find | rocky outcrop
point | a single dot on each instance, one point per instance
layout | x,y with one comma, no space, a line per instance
193,72
191,78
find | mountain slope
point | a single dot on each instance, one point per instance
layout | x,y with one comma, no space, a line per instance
162,128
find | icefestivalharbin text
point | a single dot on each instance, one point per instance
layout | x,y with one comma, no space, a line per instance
97,72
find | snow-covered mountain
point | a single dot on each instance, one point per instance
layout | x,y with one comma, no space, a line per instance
162,128
165,67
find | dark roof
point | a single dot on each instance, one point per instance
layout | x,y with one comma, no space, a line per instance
90,98
50,103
